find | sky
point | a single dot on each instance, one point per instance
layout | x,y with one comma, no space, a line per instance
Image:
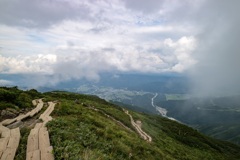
81,39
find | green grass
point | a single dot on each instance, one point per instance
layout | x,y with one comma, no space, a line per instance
15,98
79,132
92,134
21,151
82,133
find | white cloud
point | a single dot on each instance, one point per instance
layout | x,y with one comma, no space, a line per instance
27,64
81,39
183,50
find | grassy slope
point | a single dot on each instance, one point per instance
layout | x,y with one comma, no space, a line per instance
216,117
78,132
82,133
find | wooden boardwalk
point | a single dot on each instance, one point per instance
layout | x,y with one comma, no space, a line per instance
39,104
38,145
9,141
9,138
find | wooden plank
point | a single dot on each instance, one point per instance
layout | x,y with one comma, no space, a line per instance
38,125
47,154
2,128
6,133
8,121
28,113
46,111
34,102
33,112
3,144
49,118
32,143
9,144
20,117
1,152
40,101
34,155
9,154
25,116
15,132
36,110
4,121
39,107
44,141
43,118
14,138
13,142
49,110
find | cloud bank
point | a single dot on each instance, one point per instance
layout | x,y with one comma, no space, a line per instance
81,39
218,50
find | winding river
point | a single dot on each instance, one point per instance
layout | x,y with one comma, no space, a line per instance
161,110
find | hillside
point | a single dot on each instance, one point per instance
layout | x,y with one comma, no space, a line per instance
87,127
216,117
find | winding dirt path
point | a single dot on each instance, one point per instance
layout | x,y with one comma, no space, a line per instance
138,128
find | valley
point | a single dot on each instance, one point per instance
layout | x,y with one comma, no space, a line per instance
216,116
